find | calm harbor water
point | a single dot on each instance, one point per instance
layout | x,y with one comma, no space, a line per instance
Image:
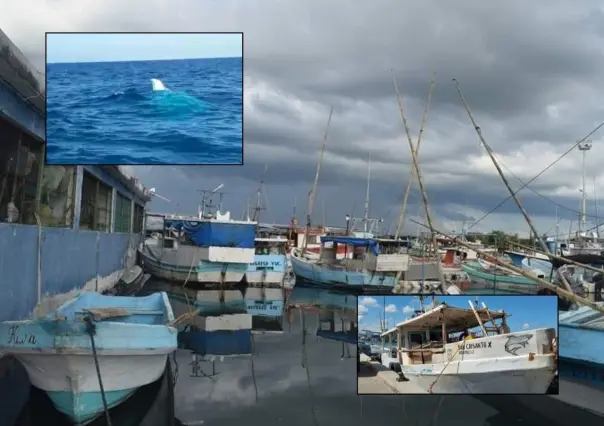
277,390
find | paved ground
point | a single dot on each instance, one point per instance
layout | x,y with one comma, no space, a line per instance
370,383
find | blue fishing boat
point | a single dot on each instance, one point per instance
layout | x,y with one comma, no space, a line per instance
484,275
375,264
127,339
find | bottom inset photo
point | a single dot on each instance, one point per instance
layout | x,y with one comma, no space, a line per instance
458,345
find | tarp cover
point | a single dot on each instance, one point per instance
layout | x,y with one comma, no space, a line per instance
216,234
355,242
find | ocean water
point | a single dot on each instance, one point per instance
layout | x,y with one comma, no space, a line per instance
108,112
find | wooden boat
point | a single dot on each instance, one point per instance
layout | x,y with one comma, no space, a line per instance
132,340
484,275
503,362
376,264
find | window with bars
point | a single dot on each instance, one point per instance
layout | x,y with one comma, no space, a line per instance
123,213
137,220
95,212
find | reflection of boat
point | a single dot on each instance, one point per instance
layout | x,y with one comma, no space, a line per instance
265,293
128,337
502,362
337,312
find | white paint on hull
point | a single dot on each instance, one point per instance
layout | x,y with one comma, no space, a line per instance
268,294
228,254
77,373
226,322
516,374
265,277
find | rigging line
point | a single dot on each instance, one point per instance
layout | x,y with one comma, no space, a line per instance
537,176
546,198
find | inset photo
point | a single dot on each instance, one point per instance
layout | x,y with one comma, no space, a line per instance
144,98
458,345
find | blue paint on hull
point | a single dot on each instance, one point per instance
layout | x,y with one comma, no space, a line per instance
340,277
87,405
220,342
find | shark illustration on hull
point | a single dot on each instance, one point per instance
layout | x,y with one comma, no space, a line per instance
516,342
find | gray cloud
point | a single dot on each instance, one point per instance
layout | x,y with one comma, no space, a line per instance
530,71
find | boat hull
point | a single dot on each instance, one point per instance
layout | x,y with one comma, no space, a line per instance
340,277
72,384
512,376
267,270
482,279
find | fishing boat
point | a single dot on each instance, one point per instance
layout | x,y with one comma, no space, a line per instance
581,358
122,342
486,275
376,264
208,249
500,361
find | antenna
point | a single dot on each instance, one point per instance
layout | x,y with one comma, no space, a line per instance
153,194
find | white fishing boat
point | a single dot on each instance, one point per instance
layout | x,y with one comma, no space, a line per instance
498,362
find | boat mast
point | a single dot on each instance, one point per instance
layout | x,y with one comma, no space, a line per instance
401,217
505,181
313,190
258,208
422,189
583,147
366,218
596,211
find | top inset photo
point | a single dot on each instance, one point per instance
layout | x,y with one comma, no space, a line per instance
144,98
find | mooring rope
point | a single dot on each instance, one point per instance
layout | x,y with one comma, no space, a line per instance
91,330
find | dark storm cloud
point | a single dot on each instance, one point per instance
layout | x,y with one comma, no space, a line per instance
530,71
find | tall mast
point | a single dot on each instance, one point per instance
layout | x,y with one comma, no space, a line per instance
313,190
366,218
583,147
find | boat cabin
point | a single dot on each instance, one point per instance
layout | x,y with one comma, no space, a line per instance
373,254
433,336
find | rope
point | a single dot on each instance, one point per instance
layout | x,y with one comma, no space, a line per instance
175,373
91,330
445,367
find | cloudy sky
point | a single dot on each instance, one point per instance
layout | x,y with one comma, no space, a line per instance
530,71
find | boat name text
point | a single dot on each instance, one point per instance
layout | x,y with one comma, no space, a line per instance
267,263
17,338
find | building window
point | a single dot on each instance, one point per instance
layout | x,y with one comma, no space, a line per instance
57,196
20,159
95,211
123,213
137,220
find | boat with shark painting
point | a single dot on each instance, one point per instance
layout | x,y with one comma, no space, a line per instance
432,357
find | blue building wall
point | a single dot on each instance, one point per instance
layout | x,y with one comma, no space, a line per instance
69,259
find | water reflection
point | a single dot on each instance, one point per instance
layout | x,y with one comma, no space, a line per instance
273,387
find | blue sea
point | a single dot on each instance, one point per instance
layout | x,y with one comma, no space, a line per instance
108,112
